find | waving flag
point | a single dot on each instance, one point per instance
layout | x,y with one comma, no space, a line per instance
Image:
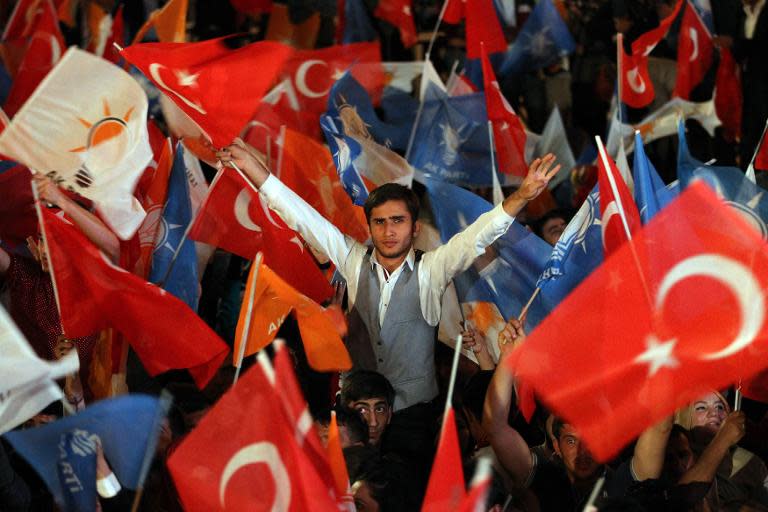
446,482
703,326
18,219
695,51
554,140
482,25
357,23
346,151
86,127
399,14
63,453
210,83
651,194
616,201
728,100
686,164
542,41
182,280
170,23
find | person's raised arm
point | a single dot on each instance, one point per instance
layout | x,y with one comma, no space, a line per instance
540,173
650,449
93,228
705,467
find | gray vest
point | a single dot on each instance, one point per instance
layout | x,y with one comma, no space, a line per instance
403,348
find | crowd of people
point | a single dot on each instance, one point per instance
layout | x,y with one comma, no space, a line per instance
707,456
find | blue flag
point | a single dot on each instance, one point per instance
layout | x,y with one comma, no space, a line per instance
351,109
578,252
5,84
651,195
454,208
451,140
345,151
177,215
686,164
357,23
63,452
543,39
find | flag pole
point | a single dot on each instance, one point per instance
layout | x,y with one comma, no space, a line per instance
590,506
757,150
737,398
165,404
527,306
498,196
454,371
248,312
437,27
39,211
619,55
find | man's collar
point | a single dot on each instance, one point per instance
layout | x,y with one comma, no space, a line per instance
410,259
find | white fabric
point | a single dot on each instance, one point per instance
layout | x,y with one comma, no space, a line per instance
108,487
750,20
438,267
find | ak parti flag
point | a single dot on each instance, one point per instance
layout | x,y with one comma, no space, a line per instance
170,23
93,294
446,482
273,300
246,454
212,84
508,131
680,311
618,211
695,50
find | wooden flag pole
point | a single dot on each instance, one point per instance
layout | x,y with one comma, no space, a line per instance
528,304
248,313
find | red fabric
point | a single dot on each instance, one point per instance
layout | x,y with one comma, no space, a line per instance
756,388
446,482
508,131
215,86
312,73
234,218
25,16
728,101
636,86
477,495
613,208
694,53
243,455
399,13
482,25
761,160
18,219
644,44
94,295
252,7
630,357
455,11
116,35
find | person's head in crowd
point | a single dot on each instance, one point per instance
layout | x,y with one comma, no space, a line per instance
678,457
353,431
551,225
579,463
707,412
372,396
392,211
381,488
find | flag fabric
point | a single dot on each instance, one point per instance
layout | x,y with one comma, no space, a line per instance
542,41
273,300
475,499
399,13
482,25
636,85
25,15
210,83
5,86
615,201
169,22
445,490
336,460
686,163
761,159
756,388
93,294
508,131
695,51
246,454
651,195
694,262
728,100
307,168
358,27
85,127
252,7
18,219
182,280
346,151
452,135
63,453
29,383
99,25
555,140
280,27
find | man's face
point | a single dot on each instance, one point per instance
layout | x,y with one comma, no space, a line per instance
376,412
552,229
577,460
392,230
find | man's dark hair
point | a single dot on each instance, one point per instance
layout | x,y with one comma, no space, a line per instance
357,428
366,384
557,427
392,192
555,213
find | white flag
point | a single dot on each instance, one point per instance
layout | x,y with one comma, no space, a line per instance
27,386
85,126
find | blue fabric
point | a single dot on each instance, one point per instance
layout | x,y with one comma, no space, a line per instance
358,27
651,195
5,84
686,164
77,469
345,151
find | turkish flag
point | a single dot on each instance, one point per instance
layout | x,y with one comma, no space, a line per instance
93,294
235,218
17,207
43,51
694,53
312,72
399,14
761,159
644,44
478,492
508,131
636,86
307,168
756,388
618,210
212,84
680,311
273,299
336,460
446,482
244,455
25,16
482,25
728,101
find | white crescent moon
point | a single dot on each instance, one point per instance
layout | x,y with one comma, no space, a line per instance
694,35
268,213
154,72
742,283
242,202
301,79
610,210
635,81
260,453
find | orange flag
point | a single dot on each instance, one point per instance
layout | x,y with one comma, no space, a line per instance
273,300
169,23
336,460
307,168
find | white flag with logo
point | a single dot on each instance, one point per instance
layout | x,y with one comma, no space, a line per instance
85,126
27,385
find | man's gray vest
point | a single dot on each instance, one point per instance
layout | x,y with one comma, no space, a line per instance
403,348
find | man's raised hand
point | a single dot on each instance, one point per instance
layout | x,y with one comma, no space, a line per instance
539,175
246,159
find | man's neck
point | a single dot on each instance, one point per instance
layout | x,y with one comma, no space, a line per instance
390,264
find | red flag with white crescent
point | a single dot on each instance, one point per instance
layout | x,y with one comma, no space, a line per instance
695,50
618,210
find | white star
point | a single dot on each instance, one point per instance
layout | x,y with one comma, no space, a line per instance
337,74
504,126
540,44
407,10
185,79
658,354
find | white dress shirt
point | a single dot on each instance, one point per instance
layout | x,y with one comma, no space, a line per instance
438,267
